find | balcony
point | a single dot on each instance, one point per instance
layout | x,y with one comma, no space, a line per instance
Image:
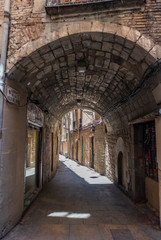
63,7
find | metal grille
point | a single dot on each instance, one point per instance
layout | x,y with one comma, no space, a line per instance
151,166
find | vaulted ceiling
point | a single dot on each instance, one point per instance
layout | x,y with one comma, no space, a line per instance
88,70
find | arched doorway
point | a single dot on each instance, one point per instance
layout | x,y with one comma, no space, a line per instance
120,168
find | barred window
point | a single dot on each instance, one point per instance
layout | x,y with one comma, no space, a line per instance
151,166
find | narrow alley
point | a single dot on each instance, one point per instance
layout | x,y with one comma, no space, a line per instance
80,204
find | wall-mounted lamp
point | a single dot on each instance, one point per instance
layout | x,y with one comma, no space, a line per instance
46,111
35,101
81,69
78,102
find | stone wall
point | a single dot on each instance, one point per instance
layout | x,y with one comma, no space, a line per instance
100,148
120,140
48,133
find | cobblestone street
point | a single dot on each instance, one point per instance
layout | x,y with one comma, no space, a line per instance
80,204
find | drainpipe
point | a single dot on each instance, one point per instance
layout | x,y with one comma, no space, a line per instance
3,61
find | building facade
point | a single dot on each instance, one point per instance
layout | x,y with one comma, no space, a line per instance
83,139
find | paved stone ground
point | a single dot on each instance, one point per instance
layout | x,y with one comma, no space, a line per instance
79,204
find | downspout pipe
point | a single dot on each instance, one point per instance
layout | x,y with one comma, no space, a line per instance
3,61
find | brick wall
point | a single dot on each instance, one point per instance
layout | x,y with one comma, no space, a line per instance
146,22
26,24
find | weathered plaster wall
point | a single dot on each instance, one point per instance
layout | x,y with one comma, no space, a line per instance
12,164
152,193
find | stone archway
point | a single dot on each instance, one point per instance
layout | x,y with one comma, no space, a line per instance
52,33
115,61
114,68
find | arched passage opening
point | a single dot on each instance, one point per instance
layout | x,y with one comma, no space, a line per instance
104,72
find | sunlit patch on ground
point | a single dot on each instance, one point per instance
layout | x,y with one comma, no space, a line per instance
83,172
70,215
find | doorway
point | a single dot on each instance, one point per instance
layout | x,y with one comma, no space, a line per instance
77,151
72,152
82,150
92,152
52,152
146,186
120,168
